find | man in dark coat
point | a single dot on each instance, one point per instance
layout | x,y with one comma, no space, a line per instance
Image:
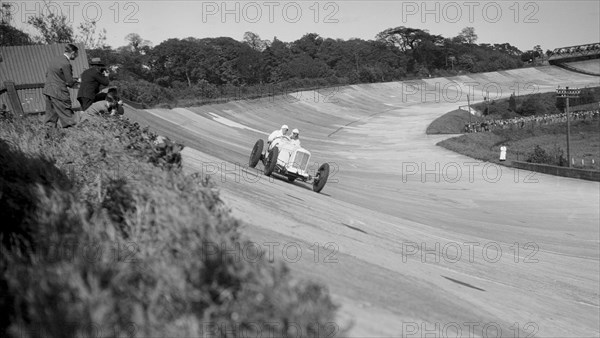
59,76
91,80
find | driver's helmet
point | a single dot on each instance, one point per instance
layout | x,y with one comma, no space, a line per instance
295,134
284,129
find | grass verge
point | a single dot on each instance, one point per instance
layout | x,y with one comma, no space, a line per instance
451,123
103,235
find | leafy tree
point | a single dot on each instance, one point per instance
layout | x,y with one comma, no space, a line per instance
309,44
303,66
249,65
276,57
205,67
137,44
467,35
532,106
403,37
52,28
507,49
532,55
586,96
255,42
560,104
539,155
176,60
527,56
538,52
5,13
131,61
466,61
10,35
88,36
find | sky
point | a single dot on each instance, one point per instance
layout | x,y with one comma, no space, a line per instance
524,24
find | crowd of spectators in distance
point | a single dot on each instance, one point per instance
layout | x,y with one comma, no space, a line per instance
529,121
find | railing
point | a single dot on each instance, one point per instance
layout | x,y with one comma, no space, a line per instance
575,51
13,97
590,175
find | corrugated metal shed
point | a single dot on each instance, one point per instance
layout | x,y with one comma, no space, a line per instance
27,65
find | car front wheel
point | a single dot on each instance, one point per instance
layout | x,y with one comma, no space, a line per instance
271,161
255,154
321,177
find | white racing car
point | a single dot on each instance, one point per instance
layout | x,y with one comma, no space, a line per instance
288,160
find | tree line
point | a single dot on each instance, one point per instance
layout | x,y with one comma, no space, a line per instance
195,69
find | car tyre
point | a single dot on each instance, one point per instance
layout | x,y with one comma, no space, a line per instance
321,177
291,179
271,161
255,154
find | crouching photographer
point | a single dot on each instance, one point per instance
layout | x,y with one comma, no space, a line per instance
111,105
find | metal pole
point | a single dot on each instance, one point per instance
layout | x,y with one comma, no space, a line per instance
568,130
487,101
469,107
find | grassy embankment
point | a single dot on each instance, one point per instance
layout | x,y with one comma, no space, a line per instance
451,123
103,235
521,143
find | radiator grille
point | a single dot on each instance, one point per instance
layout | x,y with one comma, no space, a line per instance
300,160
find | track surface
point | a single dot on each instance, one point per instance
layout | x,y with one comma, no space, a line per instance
412,238
586,66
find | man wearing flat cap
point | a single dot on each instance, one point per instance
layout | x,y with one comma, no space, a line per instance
91,80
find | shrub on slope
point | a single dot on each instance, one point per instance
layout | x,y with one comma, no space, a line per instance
103,242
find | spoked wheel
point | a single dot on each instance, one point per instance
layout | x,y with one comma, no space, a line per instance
271,161
255,154
321,177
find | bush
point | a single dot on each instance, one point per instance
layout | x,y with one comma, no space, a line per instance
118,200
532,105
539,155
555,157
146,93
512,103
21,176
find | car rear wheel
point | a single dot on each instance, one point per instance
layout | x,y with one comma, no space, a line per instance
291,179
321,177
255,154
271,161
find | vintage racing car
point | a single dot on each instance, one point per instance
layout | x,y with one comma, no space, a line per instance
288,160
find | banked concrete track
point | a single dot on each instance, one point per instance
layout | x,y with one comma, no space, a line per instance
412,238
590,67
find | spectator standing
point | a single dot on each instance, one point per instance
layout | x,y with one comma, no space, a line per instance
91,80
59,77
